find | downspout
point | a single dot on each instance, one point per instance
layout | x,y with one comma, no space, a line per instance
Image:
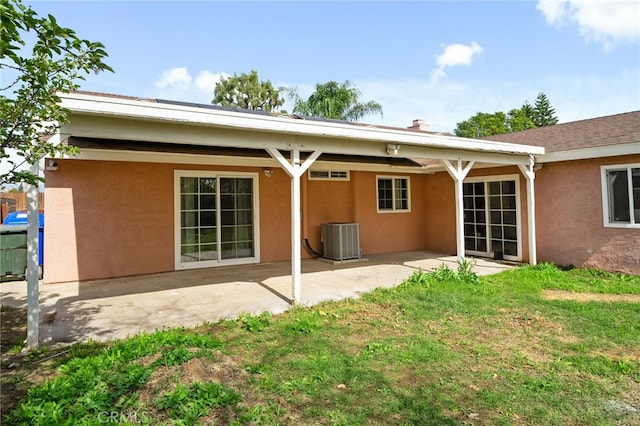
305,218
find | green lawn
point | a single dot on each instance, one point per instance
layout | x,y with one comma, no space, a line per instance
442,348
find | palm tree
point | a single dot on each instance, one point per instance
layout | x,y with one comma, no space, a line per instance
335,100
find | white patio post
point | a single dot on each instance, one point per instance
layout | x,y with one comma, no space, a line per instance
458,174
33,299
295,169
530,175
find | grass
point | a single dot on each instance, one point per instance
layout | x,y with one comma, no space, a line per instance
445,347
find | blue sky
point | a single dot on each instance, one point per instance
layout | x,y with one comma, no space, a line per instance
438,61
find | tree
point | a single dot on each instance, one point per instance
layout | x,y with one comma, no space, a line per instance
340,101
521,118
545,115
518,119
29,104
483,125
248,92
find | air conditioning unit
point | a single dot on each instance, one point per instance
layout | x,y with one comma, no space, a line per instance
341,241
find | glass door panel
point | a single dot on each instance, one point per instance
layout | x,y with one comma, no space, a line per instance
635,188
490,218
504,235
475,226
197,219
216,218
236,218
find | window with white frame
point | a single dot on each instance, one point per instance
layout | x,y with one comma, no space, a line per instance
621,195
393,194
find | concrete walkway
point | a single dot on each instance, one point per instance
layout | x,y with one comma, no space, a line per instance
117,308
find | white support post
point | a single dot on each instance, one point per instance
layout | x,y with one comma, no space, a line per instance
458,174
295,169
33,275
530,176
296,248
460,252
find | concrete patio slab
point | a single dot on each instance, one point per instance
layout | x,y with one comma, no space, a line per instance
117,308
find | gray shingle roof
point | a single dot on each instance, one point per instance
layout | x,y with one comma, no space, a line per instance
594,132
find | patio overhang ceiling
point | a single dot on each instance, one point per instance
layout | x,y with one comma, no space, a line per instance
104,117
91,148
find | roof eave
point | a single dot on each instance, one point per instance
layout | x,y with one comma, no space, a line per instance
141,109
589,153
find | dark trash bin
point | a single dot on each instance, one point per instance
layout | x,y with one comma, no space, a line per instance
13,258
13,252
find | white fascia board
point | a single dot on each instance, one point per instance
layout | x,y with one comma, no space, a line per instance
154,111
588,153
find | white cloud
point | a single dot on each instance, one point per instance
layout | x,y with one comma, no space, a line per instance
178,78
437,74
206,80
458,54
604,21
454,55
554,11
178,83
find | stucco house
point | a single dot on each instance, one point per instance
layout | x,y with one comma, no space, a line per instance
162,186
588,191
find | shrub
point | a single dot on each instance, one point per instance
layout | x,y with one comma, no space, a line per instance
255,323
443,273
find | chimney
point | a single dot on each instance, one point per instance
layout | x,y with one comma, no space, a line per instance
419,125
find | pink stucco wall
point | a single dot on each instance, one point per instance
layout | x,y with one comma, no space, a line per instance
570,218
440,213
356,201
109,219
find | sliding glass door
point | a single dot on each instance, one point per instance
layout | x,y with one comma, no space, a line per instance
215,219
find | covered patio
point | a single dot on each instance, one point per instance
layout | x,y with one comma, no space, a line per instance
143,133
163,186
116,308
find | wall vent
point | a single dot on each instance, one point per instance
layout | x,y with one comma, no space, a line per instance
341,241
329,174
